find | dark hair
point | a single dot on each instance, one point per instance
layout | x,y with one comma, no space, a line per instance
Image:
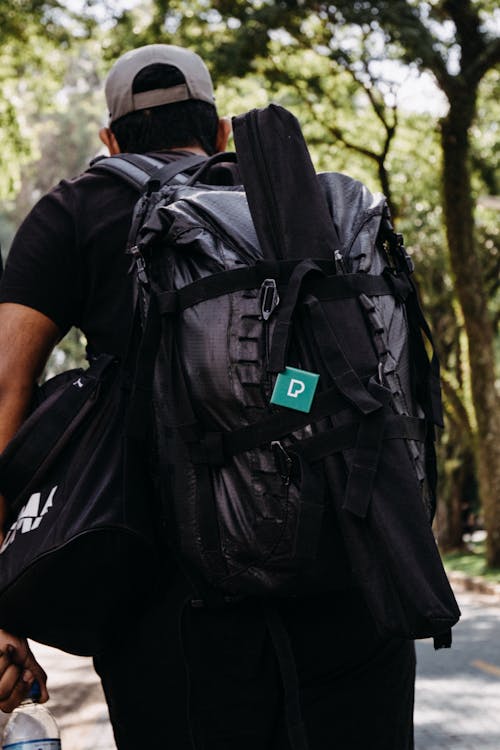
188,123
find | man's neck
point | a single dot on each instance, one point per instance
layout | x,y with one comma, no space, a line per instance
187,150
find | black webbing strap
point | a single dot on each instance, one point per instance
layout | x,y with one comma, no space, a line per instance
44,435
146,172
289,678
396,427
167,172
210,287
310,508
216,448
339,368
283,326
250,277
366,456
349,285
223,445
138,216
399,283
218,158
443,640
135,169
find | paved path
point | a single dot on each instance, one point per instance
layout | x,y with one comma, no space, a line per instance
457,704
457,698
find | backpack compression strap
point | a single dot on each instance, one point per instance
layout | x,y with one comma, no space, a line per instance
145,173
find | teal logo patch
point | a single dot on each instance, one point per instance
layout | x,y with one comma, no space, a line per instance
295,389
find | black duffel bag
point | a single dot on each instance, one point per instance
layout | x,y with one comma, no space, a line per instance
79,551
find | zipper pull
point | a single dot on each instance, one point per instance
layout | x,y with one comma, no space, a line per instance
339,261
282,461
140,264
269,298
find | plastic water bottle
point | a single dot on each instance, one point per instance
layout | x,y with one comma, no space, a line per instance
31,726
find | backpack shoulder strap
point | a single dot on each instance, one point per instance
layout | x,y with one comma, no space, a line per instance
145,172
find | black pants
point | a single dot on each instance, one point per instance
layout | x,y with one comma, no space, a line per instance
356,689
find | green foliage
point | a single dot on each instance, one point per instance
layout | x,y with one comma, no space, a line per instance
69,353
62,138
34,40
472,562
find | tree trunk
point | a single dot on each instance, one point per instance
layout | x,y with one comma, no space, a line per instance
455,501
472,295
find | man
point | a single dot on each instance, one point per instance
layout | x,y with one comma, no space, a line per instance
176,677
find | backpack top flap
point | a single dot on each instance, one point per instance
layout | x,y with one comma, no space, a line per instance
274,161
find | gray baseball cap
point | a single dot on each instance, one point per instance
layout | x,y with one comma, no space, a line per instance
118,87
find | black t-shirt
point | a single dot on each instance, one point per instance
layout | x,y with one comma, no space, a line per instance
68,259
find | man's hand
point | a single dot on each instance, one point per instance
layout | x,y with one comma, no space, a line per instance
18,670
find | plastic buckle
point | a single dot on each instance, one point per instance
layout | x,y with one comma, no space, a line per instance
398,281
406,260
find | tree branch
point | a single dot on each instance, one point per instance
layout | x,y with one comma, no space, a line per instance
486,60
401,21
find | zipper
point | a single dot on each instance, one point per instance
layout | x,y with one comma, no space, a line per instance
339,262
140,264
282,461
265,184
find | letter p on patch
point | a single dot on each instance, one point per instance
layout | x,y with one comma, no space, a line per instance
295,388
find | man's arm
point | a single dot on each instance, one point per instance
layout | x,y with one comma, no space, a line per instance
26,339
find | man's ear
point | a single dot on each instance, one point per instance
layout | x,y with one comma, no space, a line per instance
108,138
223,133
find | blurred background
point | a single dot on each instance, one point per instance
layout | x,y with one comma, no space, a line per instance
403,95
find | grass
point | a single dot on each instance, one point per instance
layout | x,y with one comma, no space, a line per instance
472,562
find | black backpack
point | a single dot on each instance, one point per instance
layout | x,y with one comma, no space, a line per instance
283,374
